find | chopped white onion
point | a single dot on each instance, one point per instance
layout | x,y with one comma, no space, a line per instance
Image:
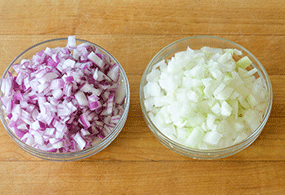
204,98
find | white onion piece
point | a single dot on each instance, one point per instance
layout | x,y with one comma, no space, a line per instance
204,98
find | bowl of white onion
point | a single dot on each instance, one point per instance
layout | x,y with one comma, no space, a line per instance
64,99
205,97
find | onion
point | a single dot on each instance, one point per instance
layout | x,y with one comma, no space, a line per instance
64,99
204,98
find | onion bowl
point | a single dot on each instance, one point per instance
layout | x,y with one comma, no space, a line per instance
169,129
91,149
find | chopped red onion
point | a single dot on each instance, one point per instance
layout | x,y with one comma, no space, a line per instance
64,99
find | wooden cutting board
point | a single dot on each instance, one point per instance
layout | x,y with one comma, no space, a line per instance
134,31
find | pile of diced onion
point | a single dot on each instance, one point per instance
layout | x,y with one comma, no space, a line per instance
64,99
205,99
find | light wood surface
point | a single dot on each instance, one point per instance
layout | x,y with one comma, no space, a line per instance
134,31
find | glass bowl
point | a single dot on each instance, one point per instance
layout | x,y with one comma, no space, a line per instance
71,156
197,42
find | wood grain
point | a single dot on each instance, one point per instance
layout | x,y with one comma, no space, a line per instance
198,177
142,17
134,31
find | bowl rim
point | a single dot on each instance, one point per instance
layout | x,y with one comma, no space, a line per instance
207,152
80,154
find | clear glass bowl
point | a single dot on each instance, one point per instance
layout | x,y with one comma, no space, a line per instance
61,42
197,42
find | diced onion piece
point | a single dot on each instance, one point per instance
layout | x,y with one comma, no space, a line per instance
212,138
253,119
94,58
192,96
114,73
195,137
244,62
57,93
226,109
71,43
80,141
216,109
81,98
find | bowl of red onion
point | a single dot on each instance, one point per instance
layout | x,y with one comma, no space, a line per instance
205,97
64,99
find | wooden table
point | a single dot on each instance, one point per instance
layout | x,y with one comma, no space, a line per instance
134,31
